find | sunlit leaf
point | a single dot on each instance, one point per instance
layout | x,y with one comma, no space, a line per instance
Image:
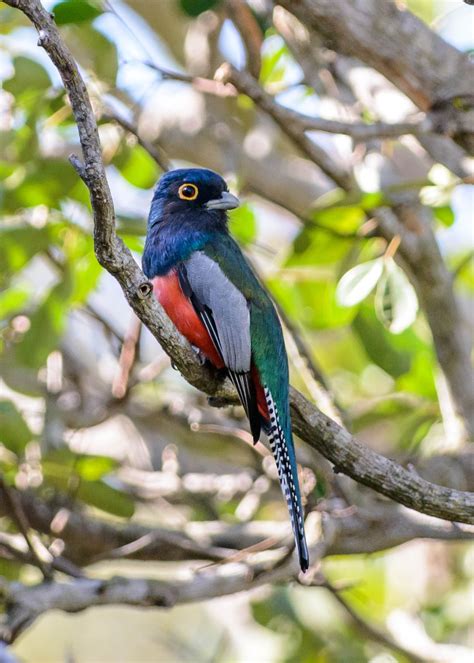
243,224
312,302
396,303
14,431
12,300
345,219
315,246
93,468
139,168
104,497
274,55
420,379
445,215
358,282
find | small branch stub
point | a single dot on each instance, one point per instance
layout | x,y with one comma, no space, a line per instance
78,167
144,290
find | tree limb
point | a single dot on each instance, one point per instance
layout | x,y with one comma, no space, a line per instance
431,72
289,121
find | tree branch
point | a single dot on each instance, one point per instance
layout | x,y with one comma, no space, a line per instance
153,150
421,258
375,471
88,539
333,442
431,72
289,121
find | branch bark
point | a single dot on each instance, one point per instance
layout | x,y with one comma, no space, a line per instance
432,73
421,258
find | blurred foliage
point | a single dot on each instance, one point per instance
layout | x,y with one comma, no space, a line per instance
352,303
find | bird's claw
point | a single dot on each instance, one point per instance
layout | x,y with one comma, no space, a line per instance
200,355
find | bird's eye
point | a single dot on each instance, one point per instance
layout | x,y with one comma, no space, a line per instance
188,191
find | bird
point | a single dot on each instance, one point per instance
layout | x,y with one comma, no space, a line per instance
213,297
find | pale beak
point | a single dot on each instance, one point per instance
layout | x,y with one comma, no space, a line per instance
226,201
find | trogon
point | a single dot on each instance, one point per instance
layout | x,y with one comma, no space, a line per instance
212,296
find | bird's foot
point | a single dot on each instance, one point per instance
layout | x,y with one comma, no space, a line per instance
200,355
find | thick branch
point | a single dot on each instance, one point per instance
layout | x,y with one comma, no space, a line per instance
295,123
403,48
88,539
374,470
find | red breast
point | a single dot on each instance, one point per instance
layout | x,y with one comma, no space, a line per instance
182,314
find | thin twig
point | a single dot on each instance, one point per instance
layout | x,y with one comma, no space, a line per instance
366,628
127,358
205,85
156,152
288,121
18,516
250,32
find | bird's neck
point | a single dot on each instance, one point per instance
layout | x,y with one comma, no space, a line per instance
170,242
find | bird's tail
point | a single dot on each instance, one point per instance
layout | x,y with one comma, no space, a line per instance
284,454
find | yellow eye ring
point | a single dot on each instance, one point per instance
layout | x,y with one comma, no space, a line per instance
188,191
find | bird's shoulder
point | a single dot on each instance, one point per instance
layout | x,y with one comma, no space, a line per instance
225,251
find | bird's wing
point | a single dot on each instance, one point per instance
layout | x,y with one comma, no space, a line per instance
224,312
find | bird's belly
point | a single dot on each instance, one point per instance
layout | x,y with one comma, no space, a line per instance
180,311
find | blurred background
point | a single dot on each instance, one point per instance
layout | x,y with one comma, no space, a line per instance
93,417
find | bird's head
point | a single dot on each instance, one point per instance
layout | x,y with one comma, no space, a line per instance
191,190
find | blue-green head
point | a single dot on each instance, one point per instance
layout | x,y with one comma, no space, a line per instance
188,206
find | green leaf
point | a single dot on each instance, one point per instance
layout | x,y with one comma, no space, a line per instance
106,498
18,244
243,224
313,303
444,215
47,182
47,326
12,300
29,77
343,218
315,246
370,200
75,11
377,343
420,379
93,468
139,168
65,462
14,431
64,471
396,303
93,50
273,61
358,282
195,7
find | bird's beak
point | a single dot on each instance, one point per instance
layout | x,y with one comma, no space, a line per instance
226,201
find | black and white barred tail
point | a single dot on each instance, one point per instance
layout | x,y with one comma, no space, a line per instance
284,455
